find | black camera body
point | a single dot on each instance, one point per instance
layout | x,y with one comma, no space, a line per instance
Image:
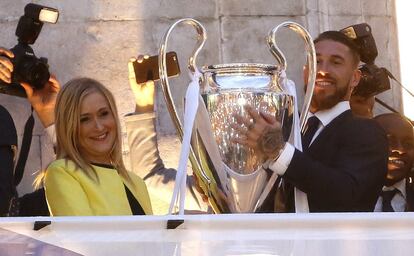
26,66
374,80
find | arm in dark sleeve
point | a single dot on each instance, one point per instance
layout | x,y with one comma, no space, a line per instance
6,178
8,137
351,173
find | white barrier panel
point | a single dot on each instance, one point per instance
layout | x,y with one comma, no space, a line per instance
232,234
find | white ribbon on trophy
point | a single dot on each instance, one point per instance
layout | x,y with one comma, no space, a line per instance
301,199
190,112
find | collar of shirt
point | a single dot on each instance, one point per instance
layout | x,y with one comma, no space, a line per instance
398,185
327,115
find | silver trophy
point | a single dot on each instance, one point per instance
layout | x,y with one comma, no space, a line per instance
231,175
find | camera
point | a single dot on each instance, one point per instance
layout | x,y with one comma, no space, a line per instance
27,67
374,80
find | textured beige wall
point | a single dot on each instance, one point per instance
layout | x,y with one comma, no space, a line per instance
96,38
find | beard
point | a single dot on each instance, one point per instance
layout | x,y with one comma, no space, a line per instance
325,100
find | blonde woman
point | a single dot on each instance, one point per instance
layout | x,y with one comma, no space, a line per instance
89,176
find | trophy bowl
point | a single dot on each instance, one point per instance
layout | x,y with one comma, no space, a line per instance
229,88
230,174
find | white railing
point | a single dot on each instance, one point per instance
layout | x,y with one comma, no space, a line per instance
227,234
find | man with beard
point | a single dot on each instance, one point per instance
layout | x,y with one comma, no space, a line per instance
344,159
397,195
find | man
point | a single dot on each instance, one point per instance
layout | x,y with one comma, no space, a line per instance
344,166
396,195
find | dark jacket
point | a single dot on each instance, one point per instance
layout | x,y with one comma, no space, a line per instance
31,204
8,140
343,170
409,189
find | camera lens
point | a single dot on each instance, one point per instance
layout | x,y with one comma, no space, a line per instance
33,71
38,75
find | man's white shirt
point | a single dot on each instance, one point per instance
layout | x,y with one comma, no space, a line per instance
399,200
281,164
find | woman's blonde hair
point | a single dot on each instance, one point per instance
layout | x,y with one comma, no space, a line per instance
67,124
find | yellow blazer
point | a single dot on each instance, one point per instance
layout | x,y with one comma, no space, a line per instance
70,192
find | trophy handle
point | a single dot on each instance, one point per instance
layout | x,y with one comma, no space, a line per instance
311,57
162,64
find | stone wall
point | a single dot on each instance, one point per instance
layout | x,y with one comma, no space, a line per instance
97,37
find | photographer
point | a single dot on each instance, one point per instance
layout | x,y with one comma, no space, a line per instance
43,102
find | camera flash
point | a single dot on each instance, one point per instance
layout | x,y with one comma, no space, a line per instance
47,15
41,13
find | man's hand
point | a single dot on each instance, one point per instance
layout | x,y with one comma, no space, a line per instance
144,93
6,66
43,101
263,135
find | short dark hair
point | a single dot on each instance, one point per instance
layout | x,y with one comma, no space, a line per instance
340,38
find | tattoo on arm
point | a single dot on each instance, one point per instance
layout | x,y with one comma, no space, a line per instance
271,141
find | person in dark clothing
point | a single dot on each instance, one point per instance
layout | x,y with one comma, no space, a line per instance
43,103
8,146
397,194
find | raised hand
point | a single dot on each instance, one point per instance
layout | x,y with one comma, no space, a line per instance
43,100
144,93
